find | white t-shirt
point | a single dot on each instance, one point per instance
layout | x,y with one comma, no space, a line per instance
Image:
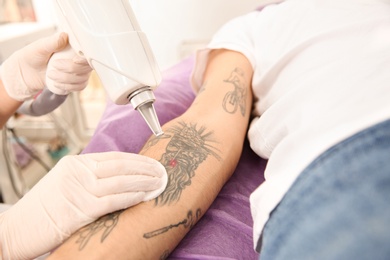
321,74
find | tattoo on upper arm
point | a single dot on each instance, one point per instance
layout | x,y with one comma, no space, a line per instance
188,147
105,223
237,97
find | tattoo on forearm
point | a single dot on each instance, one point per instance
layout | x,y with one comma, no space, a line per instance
237,97
154,140
106,223
188,223
165,255
202,88
188,148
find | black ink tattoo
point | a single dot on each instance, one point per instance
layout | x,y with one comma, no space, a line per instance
237,97
188,222
106,223
187,149
202,88
154,140
165,255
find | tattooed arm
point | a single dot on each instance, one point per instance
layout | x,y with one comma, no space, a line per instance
200,151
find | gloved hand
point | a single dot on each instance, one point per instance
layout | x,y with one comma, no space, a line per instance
67,72
77,191
24,72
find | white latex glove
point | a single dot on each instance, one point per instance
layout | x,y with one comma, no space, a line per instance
77,191
24,72
67,72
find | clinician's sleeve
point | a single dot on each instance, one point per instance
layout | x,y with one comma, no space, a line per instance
235,35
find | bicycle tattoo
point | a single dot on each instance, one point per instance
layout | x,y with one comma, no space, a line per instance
236,97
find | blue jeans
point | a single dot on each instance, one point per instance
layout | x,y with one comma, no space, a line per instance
339,207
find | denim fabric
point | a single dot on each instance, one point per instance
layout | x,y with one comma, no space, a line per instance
339,207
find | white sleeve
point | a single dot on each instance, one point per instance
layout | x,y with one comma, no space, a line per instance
235,35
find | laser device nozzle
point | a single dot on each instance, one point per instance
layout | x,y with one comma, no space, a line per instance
142,100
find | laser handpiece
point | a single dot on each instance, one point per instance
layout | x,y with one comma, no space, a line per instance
142,100
107,34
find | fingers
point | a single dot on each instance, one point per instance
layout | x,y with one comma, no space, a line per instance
51,44
128,184
75,65
118,172
62,42
125,167
64,78
68,72
99,157
69,82
116,201
155,193
120,163
124,184
102,175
